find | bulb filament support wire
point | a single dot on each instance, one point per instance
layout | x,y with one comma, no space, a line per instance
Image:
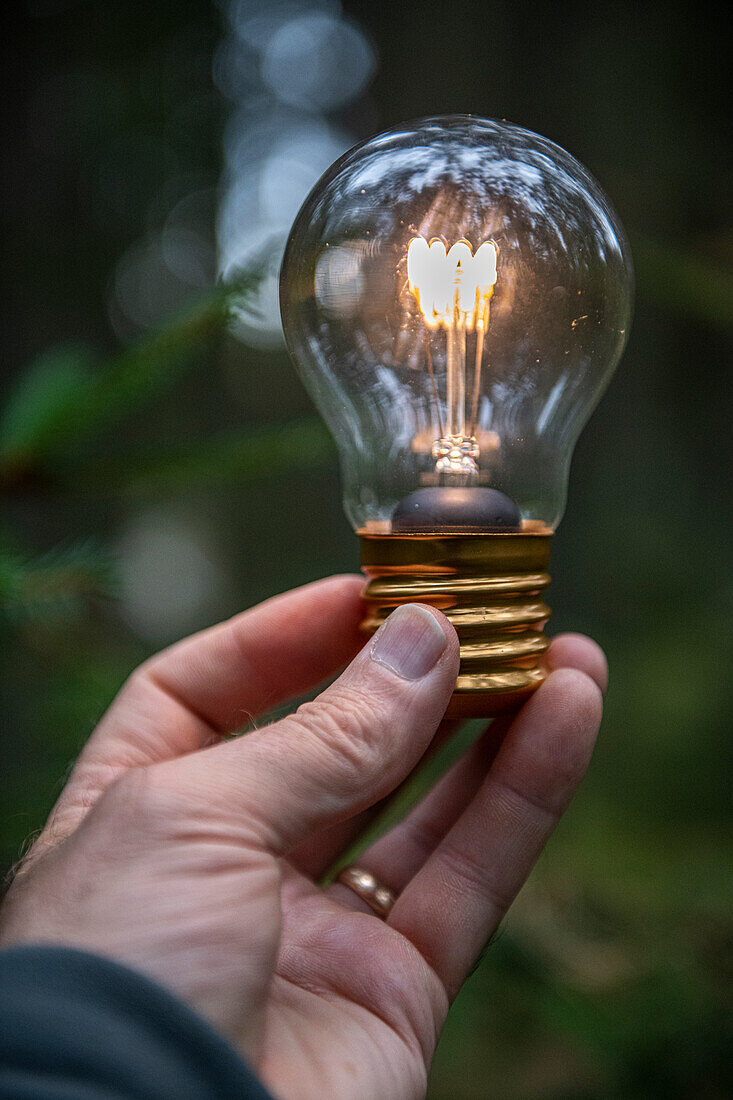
452,289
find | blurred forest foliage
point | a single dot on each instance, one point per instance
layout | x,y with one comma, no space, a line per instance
161,467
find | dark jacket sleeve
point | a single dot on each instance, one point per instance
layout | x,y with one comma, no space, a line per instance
74,1026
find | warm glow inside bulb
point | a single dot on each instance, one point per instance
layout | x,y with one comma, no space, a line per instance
453,287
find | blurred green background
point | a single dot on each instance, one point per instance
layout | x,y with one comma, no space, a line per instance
137,506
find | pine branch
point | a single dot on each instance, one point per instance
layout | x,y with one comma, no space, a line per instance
61,401
277,449
57,583
52,383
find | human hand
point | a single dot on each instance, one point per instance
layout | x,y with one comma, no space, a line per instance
193,860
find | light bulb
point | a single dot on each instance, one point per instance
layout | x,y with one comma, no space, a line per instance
456,294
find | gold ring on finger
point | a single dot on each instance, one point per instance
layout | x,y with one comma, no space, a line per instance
379,898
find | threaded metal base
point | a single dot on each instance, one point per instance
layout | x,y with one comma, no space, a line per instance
489,587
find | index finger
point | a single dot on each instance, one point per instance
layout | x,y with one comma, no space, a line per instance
235,671
216,681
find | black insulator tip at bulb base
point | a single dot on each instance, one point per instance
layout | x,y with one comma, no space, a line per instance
470,509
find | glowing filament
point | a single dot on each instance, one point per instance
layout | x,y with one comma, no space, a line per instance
451,288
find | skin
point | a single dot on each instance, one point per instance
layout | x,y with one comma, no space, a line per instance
193,858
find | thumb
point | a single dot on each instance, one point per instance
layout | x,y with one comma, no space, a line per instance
349,747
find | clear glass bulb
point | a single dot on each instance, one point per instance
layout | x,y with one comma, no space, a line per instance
456,293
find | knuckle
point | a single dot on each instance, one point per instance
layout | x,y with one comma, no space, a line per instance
349,727
566,762
476,878
572,761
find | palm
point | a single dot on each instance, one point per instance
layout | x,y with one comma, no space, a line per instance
353,1007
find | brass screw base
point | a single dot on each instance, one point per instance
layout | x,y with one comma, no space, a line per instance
489,587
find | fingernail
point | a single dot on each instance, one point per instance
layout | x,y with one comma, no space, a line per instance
409,642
